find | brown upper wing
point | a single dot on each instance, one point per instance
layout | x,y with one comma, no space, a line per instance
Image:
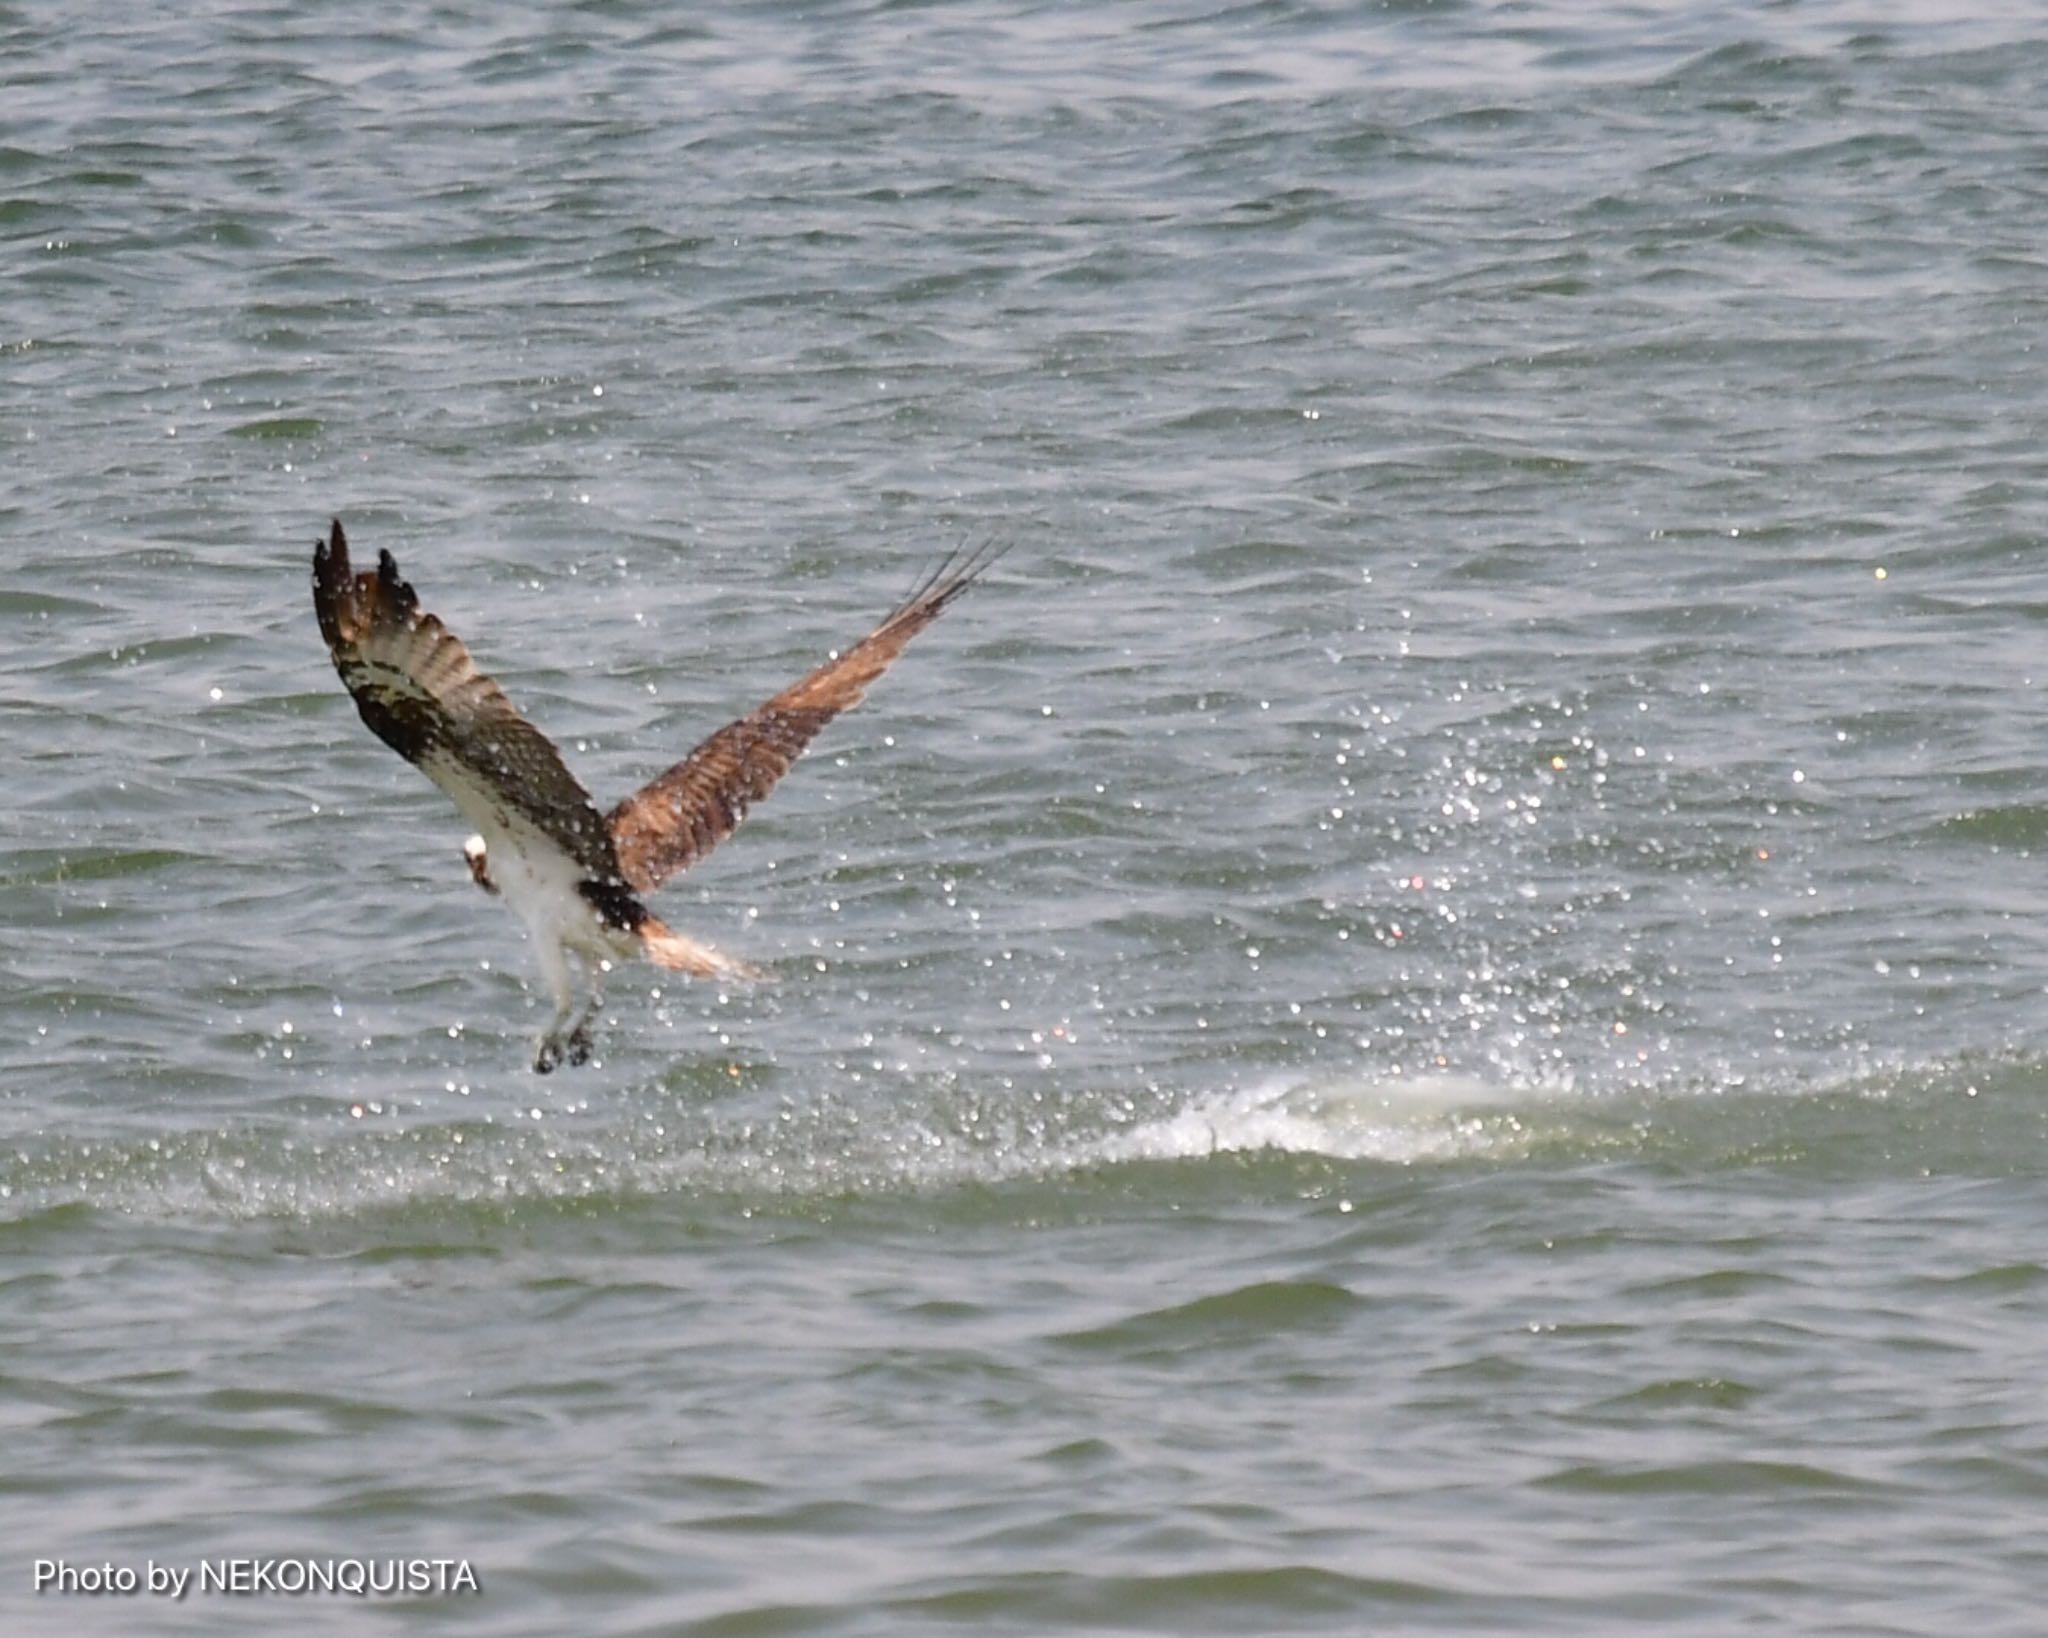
421,693
673,821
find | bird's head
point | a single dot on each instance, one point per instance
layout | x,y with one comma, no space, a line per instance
479,864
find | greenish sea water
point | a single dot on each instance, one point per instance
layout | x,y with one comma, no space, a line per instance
1424,1015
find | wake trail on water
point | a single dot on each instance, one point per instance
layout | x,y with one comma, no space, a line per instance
933,1136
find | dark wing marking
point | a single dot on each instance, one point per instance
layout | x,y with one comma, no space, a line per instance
673,821
421,693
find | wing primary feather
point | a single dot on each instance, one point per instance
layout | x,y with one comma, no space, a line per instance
932,576
393,590
954,573
333,585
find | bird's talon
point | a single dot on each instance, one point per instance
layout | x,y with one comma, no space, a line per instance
579,1046
547,1057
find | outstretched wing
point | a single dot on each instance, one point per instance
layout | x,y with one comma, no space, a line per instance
421,693
672,822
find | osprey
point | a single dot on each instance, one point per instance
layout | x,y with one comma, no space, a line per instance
575,875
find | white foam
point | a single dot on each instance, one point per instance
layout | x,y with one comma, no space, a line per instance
1401,1119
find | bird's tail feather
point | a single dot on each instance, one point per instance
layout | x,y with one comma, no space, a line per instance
666,947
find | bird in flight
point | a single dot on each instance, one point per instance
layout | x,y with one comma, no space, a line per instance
573,875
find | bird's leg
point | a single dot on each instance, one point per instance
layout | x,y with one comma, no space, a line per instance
554,967
580,1044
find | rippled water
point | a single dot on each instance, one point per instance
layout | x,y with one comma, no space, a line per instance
1423,1015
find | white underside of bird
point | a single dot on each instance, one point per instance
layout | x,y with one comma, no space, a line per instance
544,889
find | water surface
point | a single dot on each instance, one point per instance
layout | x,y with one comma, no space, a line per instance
1423,1015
